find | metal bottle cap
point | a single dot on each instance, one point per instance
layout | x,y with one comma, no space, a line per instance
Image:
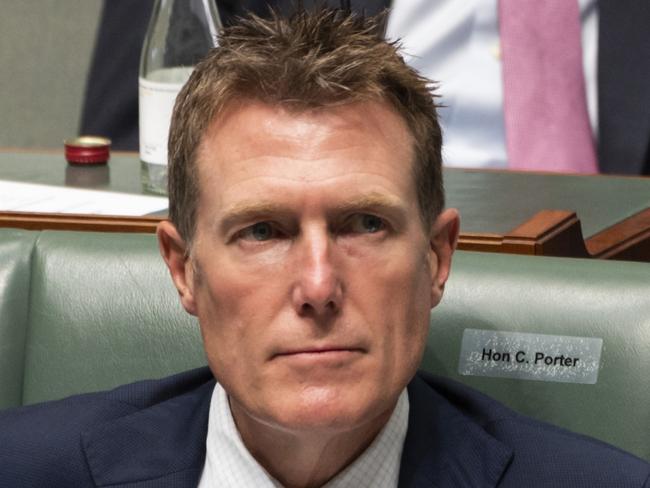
87,150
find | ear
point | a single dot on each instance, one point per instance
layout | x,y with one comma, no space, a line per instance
443,241
176,255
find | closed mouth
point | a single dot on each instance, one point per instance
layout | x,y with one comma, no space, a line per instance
319,352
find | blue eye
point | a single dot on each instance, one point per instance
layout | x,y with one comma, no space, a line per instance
372,223
261,231
367,224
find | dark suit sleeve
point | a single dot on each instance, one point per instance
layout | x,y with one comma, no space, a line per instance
624,86
111,101
40,445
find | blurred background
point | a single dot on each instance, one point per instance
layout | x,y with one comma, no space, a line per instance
45,53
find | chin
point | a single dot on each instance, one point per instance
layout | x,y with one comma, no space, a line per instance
326,409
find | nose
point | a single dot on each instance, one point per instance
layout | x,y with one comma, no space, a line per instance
317,290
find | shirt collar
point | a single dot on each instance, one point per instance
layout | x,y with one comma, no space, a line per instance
229,464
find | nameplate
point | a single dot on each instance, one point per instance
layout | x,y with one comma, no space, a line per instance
525,356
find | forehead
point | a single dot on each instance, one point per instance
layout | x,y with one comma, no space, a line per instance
252,142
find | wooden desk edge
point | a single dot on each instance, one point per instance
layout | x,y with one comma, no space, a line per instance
627,239
98,223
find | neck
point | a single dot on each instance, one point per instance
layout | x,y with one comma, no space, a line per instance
305,459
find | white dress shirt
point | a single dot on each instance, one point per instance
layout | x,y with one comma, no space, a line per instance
229,464
456,43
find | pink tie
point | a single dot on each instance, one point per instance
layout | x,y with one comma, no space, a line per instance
546,121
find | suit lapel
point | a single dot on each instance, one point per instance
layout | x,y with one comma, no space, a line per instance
623,93
164,442
443,448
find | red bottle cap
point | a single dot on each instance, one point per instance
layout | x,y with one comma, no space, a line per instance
87,150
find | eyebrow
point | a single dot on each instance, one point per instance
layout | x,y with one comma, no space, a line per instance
245,211
371,201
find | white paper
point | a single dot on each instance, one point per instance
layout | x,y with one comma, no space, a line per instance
29,197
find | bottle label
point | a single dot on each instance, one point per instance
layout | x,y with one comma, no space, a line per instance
156,102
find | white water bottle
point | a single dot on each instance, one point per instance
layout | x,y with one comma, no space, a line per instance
180,33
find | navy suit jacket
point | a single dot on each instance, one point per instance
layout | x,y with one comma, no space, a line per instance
152,434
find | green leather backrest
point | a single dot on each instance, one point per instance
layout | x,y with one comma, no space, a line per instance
15,254
101,311
557,296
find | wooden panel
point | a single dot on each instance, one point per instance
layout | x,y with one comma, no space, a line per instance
470,241
627,240
99,223
547,233
559,233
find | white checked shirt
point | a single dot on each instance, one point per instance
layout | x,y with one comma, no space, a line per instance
229,464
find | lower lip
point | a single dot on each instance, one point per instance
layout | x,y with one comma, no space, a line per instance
334,356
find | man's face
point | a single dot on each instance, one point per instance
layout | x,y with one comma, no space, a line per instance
311,272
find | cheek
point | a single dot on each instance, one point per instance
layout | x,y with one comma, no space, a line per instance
419,304
400,308
402,284
412,325
231,313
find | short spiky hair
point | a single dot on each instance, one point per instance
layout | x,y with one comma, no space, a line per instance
311,59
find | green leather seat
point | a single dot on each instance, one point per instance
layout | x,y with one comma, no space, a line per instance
15,272
88,311
103,312
564,297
